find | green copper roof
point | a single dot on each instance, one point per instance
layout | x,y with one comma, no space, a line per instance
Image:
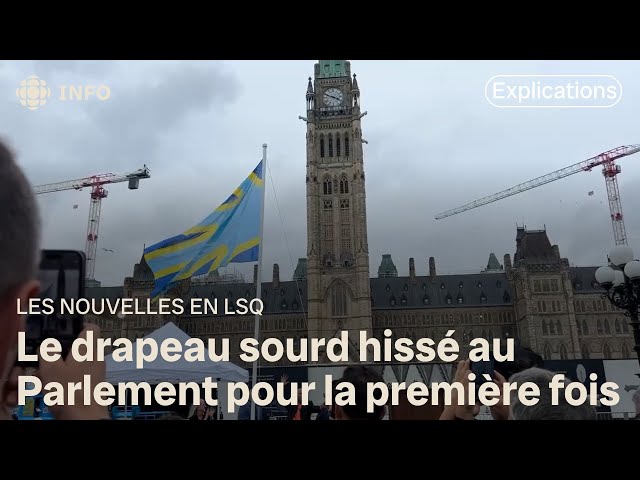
493,263
301,270
333,68
387,268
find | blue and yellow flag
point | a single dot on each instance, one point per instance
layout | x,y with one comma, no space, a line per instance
230,234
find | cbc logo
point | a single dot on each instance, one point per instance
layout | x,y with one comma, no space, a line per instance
33,92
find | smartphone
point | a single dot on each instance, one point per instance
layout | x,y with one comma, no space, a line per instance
481,369
61,276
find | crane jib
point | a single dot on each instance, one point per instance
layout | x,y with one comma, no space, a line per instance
610,171
96,183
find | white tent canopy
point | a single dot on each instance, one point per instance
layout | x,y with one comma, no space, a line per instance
160,370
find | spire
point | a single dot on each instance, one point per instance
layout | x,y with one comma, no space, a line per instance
355,84
310,87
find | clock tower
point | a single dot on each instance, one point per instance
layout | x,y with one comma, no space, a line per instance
338,256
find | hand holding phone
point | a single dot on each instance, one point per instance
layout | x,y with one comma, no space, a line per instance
61,276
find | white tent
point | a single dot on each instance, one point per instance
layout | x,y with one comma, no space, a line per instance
160,370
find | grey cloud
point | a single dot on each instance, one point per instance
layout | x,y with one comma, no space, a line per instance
434,144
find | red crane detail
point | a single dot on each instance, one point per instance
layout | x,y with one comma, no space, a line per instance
98,192
610,170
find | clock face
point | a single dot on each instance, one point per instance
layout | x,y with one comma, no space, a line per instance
332,97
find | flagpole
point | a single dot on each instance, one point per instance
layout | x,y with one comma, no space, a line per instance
256,331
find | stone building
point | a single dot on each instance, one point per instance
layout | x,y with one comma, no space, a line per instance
539,298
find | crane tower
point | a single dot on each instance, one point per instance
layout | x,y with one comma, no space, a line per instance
98,192
610,170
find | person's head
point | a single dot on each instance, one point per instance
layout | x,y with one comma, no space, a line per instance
19,255
544,409
636,400
359,376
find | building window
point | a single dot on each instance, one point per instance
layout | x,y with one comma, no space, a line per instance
582,309
460,285
585,327
406,287
460,299
563,352
506,297
599,327
606,351
626,353
294,305
330,145
479,284
327,186
442,286
558,327
424,286
283,305
339,300
545,285
498,284
387,288
607,327
403,300
483,299
346,145
321,146
545,330
536,286
579,327
552,328
554,285
546,352
448,299
625,327
337,145
344,185
392,301
584,350
425,300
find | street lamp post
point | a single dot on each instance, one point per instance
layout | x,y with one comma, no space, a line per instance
621,282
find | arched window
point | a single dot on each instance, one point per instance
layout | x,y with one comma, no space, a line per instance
330,145
626,353
558,327
599,327
545,331
546,352
552,328
563,352
584,350
606,352
321,146
625,327
579,327
337,145
582,309
607,327
327,186
585,327
339,300
344,184
617,326
346,145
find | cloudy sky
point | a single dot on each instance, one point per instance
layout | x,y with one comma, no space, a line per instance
434,143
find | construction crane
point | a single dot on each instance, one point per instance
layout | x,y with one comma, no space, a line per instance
98,192
609,169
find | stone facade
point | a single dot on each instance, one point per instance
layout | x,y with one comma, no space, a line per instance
540,299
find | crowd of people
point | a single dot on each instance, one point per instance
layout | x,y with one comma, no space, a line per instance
19,258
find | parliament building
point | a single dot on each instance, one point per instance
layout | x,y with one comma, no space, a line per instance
536,297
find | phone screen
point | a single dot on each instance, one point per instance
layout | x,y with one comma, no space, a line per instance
61,275
481,369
